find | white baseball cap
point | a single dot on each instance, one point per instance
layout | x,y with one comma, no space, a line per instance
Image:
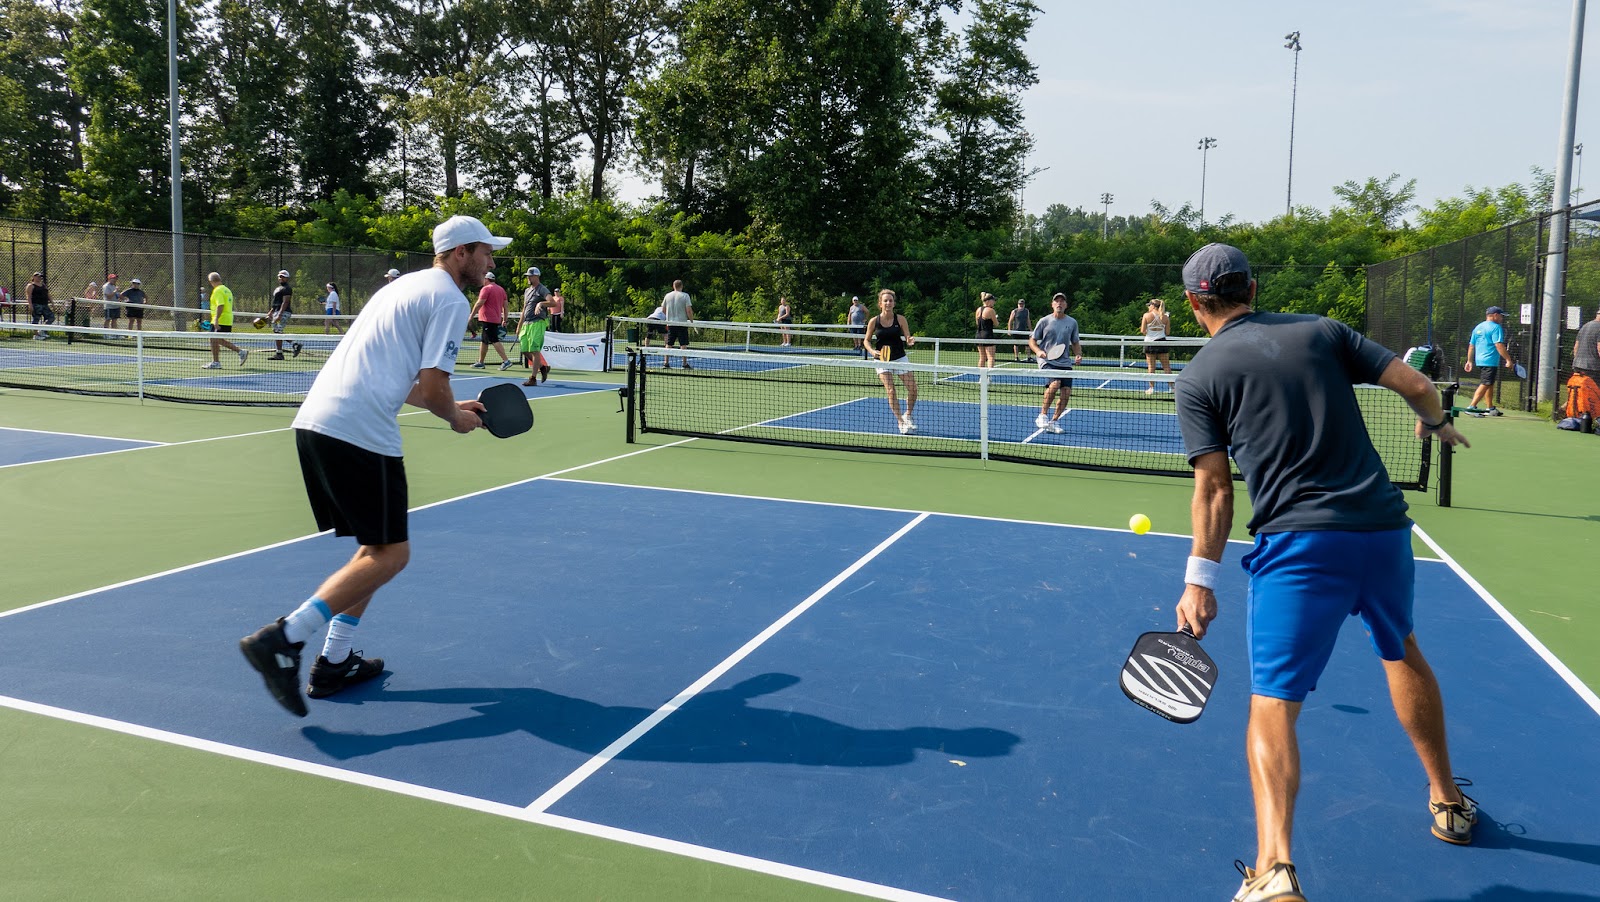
393,273
533,271
459,230
283,274
135,282
489,276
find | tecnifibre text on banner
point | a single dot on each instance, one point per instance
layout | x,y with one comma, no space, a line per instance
581,351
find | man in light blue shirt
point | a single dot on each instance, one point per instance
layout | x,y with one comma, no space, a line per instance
1488,354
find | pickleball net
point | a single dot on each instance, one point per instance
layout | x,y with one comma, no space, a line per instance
1117,419
171,366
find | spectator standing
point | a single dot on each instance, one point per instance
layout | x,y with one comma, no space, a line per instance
220,315
111,295
556,304
330,309
857,318
1488,354
281,312
490,310
37,294
679,312
1020,321
785,319
134,300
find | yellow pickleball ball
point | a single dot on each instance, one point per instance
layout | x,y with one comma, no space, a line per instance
1139,523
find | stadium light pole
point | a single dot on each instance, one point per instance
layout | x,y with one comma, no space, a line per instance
1105,222
178,292
1204,147
1577,183
1555,271
1292,41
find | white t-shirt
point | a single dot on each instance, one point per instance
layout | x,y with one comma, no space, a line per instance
412,324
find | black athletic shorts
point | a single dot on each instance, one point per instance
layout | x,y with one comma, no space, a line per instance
491,333
222,328
678,336
1488,375
353,491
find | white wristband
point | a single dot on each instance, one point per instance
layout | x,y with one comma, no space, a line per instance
1202,572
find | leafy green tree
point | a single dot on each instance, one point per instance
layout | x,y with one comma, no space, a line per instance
339,127
1381,204
976,170
40,114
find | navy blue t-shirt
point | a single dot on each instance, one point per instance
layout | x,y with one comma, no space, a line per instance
1278,389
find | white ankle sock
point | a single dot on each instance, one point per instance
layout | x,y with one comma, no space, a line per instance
341,633
306,620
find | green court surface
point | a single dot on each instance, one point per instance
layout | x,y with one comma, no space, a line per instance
92,812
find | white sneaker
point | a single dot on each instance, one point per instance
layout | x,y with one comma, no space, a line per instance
904,424
244,354
906,421
1276,884
505,365
213,365
1054,426
1042,421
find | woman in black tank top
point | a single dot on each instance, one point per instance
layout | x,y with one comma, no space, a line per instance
987,319
889,334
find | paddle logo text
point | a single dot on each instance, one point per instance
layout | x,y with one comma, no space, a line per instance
1184,658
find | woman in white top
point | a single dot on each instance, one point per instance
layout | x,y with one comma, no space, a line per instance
1155,327
330,306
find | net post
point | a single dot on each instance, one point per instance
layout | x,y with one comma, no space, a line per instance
633,391
983,416
1446,452
138,356
605,365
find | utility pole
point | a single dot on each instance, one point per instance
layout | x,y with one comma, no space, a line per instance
1292,41
1105,222
1204,147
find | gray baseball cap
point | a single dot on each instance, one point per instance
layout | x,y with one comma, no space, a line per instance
1219,269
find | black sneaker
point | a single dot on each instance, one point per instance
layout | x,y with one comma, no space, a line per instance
296,347
327,679
277,659
277,356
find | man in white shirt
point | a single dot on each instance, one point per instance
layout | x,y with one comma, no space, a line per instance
400,350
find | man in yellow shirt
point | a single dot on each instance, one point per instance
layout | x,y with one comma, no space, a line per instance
221,318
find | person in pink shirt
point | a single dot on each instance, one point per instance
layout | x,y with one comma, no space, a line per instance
491,313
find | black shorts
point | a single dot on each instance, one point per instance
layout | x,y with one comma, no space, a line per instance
136,313
655,329
491,333
1155,350
222,328
1488,375
353,491
678,335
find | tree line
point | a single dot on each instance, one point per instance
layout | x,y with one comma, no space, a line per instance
811,149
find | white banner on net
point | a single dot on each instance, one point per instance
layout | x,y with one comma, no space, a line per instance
575,351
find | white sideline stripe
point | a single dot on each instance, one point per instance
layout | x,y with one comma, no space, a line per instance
500,809
1571,679
269,547
556,792
109,438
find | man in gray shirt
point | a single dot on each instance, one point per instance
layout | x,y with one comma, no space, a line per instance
679,311
1058,330
1332,536
1586,353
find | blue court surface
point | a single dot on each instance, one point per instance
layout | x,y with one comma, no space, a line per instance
944,718
298,382
44,356
1120,430
25,446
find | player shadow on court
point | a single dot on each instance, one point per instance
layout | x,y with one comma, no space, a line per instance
711,728
1492,834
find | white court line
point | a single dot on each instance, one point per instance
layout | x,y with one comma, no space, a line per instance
557,822
109,438
1566,674
556,792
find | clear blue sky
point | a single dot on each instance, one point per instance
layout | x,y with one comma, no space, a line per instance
1465,92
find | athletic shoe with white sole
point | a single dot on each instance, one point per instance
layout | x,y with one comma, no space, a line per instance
244,354
910,426
326,679
1276,884
1453,821
277,659
900,423
213,365
1054,426
1042,421
505,365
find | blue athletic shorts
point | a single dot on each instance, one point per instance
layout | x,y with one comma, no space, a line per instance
1302,587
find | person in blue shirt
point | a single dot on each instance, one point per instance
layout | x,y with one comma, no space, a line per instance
1488,354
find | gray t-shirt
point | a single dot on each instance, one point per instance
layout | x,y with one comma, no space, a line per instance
1587,358
1278,389
858,315
676,306
1052,331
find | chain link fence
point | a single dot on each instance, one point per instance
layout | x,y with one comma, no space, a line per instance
1439,295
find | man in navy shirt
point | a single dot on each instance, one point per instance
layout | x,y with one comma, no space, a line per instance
1277,390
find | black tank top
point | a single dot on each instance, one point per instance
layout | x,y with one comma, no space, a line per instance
891,337
985,327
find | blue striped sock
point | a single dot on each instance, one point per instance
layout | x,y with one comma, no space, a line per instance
306,620
341,633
